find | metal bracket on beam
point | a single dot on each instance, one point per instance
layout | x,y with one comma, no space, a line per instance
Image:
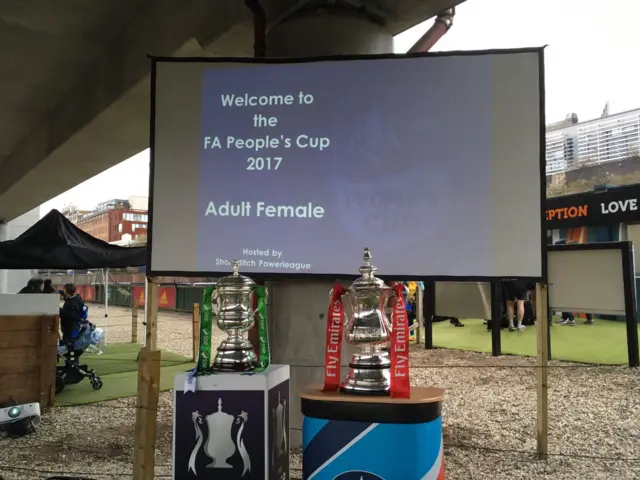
362,5
376,14
299,5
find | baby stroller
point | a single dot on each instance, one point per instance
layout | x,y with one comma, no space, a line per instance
70,350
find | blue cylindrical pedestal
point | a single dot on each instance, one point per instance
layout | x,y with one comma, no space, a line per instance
347,437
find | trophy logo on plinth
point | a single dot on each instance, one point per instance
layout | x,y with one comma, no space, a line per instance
358,475
235,316
280,441
220,446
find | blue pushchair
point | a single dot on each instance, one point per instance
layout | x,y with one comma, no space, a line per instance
69,351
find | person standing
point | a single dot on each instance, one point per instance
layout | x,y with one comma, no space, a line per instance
72,312
568,318
48,287
515,296
33,286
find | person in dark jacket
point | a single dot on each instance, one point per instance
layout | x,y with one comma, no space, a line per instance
48,287
71,312
33,286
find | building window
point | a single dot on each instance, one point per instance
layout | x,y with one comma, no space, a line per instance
135,217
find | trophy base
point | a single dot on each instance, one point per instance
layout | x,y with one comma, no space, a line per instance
367,381
227,365
235,358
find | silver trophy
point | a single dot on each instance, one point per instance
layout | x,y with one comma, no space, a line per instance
370,329
235,317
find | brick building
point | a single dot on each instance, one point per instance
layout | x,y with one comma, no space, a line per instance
114,218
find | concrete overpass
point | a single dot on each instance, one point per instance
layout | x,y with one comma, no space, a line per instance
74,75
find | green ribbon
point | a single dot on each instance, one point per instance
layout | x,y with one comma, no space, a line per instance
206,331
263,332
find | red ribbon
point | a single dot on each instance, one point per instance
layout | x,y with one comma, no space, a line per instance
333,340
400,387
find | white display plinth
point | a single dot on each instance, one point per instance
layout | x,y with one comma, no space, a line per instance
234,426
29,304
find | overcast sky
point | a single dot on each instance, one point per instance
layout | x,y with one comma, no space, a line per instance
592,58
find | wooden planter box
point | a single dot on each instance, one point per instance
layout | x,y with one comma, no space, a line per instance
28,346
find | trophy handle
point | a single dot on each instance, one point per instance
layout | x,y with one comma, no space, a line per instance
214,303
346,294
254,298
404,287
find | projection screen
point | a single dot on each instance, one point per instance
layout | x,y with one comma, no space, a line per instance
435,162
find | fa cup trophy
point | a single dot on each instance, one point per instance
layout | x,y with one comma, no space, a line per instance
235,317
370,329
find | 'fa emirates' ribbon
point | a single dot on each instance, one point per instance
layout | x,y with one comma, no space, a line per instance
400,387
263,331
333,340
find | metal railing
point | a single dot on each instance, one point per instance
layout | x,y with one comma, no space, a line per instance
594,143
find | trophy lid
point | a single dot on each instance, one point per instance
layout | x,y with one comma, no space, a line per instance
368,281
235,283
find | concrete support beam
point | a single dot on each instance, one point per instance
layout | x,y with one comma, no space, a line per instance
299,308
327,32
104,119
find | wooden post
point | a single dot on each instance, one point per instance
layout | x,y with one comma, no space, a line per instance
151,314
429,312
419,313
146,414
49,328
134,323
196,331
148,390
542,371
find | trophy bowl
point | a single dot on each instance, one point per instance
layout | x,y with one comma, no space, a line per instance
235,317
370,330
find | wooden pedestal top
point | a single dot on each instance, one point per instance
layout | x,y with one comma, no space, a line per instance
418,395
423,406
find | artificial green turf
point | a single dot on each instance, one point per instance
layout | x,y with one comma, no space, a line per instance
122,358
118,369
603,343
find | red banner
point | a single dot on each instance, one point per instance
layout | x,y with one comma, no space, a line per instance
166,298
138,296
400,387
333,339
89,293
80,289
